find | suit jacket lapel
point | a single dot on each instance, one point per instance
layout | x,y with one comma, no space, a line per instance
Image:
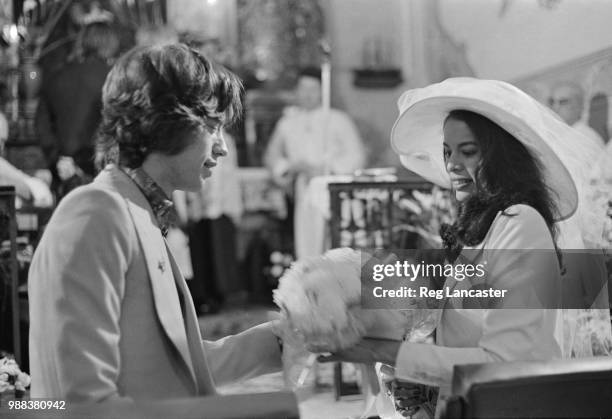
165,294
165,279
194,338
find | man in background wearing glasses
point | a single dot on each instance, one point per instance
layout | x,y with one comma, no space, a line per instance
567,99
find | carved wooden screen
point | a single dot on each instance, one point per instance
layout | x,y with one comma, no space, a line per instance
9,306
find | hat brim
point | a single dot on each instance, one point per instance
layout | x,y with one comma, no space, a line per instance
417,136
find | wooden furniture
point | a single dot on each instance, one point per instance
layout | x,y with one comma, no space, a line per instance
20,230
365,214
563,388
263,228
9,279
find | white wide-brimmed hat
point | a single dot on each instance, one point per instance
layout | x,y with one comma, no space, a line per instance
417,134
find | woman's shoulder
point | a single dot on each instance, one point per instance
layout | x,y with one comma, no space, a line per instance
519,226
523,214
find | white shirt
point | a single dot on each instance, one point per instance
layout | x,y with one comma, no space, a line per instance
473,335
327,140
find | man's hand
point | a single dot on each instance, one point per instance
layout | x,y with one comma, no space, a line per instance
367,351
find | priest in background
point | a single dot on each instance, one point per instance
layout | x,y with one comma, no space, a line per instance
310,141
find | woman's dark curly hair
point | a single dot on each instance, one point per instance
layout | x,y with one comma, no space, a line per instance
154,97
508,175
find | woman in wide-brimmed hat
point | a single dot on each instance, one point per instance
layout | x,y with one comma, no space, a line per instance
499,151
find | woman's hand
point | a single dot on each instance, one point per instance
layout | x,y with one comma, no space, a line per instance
367,351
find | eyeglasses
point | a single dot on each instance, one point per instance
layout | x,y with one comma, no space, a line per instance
559,101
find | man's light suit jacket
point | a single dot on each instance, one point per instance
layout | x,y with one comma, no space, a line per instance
106,318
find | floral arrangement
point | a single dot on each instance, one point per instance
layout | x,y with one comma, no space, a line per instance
11,377
320,302
586,333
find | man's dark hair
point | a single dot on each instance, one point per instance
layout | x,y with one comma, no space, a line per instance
155,98
99,39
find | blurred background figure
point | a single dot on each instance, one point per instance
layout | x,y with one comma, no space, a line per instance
69,109
155,35
567,100
27,188
3,131
309,141
210,47
210,217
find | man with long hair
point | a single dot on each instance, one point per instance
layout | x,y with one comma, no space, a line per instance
110,313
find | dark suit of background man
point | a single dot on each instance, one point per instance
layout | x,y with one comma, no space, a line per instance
70,105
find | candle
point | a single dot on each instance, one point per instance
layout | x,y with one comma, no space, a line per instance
326,84
325,96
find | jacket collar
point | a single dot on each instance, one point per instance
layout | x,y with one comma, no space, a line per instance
113,178
161,205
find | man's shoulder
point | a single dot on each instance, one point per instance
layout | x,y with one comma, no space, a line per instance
340,116
59,77
92,198
88,214
339,113
289,112
94,190
75,77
